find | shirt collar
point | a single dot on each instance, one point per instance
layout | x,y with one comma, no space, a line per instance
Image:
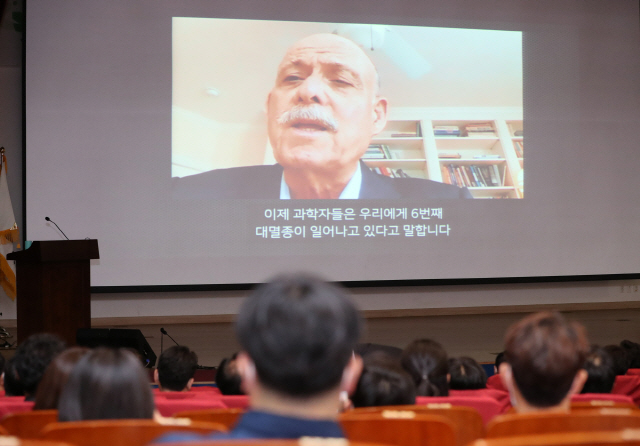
350,192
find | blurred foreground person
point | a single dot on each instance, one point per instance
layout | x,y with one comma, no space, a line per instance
56,376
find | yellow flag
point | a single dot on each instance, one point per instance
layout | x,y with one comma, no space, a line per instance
8,232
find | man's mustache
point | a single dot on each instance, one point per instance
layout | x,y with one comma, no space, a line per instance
312,112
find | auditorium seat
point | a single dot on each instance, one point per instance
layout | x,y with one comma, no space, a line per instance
170,403
633,372
118,432
402,428
235,401
626,437
467,422
500,396
628,385
28,424
226,417
304,441
548,422
598,404
602,397
487,407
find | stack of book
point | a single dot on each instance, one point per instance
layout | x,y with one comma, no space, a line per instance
473,175
446,130
377,152
479,129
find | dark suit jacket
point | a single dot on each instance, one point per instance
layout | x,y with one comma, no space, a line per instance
264,182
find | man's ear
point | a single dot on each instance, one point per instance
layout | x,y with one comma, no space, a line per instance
189,384
578,382
351,374
156,377
379,115
247,371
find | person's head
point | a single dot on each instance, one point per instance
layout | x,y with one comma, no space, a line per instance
544,358
297,333
466,374
633,353
33,357
12,385
106,384
601,374
619,358
383,382
228,377
176,367
426,362
55,377
499,360
324,107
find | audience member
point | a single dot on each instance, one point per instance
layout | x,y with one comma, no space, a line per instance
466,374
228,378
426,362
619,357
544,358
56,376
633,353
176,367
297,334
383,382
32,358
106,384
366,349
600,370
499,360
11,383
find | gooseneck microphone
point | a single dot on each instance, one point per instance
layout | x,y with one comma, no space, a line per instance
65,235
164,332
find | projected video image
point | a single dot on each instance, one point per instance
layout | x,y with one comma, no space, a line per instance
301,110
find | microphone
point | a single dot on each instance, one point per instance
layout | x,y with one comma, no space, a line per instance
65,235
164,332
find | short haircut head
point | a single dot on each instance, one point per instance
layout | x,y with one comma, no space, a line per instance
599,367
619,358
106,384
300,333
383,385
56,376
466,374
426,362
228,377
176,366
545,353
33,357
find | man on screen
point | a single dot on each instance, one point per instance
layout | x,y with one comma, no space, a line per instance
322,113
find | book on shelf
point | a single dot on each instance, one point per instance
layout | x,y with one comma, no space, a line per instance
479,129
487,157
519,146
446,130
410,134
472,175
378,151
518,133
449,155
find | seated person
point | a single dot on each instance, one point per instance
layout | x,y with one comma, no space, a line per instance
10,382
544,358
601,374
426,362
619,358
383,382
176,367
56,376
228,378
32,359
466,374
106,384
297,334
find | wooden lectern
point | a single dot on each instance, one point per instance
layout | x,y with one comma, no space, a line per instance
53,287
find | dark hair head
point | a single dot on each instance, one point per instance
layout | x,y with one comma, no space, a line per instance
466,374
228,378
106,384
499,360
633,353
545,352
300,332
619,359
176,366
55,377
602,376
12,385
383,382
32,358
426,362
